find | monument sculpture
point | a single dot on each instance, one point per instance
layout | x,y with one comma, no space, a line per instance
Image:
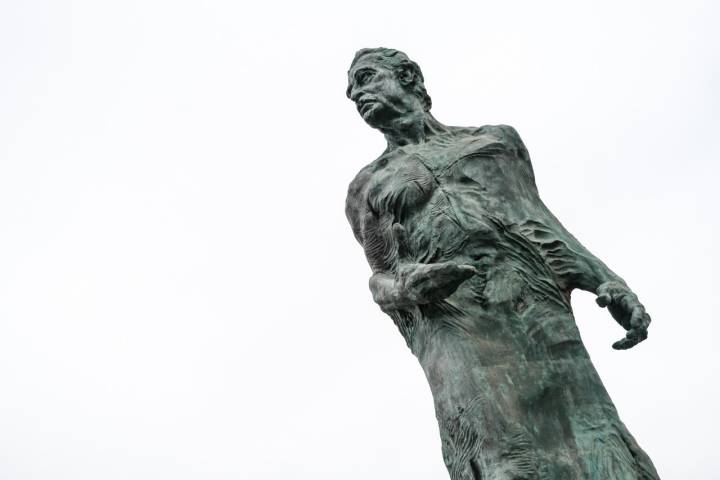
476,273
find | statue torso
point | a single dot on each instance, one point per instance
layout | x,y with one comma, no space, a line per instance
451,194
461,198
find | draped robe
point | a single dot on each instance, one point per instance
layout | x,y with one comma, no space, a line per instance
516,395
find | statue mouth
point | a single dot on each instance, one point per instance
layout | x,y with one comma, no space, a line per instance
365,106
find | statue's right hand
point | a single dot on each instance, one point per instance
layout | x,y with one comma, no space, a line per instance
421,283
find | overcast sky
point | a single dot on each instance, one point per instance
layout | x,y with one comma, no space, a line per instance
181,296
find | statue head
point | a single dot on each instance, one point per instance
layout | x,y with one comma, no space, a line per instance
386,86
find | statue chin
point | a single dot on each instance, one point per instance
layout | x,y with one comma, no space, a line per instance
379,116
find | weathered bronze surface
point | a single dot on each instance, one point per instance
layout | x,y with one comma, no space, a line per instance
476,273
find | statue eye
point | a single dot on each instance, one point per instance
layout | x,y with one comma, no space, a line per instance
364,76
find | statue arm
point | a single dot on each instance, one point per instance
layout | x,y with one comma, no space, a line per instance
397,283
576,267
414,283
364,224
573,264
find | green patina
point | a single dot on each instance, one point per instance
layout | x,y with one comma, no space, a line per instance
477,273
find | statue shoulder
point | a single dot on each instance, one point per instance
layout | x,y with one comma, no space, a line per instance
363,177
504,133
361,180
510,139
508,136
356,201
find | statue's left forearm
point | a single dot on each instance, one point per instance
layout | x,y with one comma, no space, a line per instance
574,265
593,273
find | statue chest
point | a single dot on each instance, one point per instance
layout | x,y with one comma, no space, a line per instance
409,180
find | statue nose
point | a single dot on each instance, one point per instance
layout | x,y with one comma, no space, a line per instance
355,94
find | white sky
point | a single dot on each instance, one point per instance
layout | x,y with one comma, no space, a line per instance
181,296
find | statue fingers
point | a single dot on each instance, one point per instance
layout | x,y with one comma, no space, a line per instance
624,344
637,316
467,271
439,280
604,295
401,241
603,299
646,321
451,272
632,338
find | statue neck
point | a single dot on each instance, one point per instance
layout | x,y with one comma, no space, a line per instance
412,129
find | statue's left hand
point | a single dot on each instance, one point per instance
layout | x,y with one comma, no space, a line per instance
627,310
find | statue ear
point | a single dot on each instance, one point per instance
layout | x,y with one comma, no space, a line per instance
406,75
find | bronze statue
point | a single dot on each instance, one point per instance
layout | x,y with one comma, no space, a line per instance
477,273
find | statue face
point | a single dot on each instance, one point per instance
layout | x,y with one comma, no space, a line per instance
380,94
